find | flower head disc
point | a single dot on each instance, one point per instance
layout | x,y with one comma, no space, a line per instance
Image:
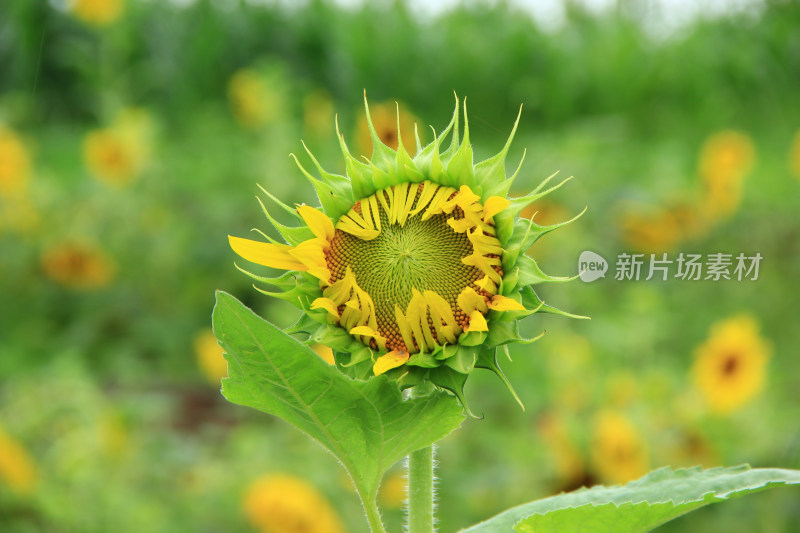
413,266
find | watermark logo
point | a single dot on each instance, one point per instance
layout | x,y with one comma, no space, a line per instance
591,266
685,266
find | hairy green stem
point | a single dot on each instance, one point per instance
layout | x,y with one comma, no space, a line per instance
420,491
372,513
421,506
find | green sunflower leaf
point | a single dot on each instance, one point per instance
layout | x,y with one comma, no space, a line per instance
639,506
364,424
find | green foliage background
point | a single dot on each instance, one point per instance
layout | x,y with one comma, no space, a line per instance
102,388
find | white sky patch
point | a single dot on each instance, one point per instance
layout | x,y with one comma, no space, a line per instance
661,19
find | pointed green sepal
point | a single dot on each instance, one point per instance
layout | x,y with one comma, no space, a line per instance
490,174
488,360
530,299
451,380
334,191
292,235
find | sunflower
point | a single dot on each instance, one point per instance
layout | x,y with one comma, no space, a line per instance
15,163
78,265
317,113
393,124
209,356
119,153
619,453
281,503
725,160
17,469
394,490
414,267
794,155
729,367
97,12
257,95
652,229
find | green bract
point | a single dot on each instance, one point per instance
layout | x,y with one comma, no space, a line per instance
413,267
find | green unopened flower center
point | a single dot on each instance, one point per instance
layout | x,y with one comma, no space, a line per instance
422,255
411,255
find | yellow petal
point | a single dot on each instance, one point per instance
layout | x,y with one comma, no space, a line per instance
466,197
477,322
494,205
501,303
404,325
327,304
267,254
461,225
363,330
486,284
324,352
310,254
469,301
389,361
317,221
348,225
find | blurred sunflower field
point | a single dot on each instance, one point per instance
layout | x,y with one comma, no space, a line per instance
134,135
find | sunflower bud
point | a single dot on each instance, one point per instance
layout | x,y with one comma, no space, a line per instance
412,267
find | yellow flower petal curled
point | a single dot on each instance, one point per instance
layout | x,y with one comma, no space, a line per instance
486,284
317,221
469,301
328,305
366,331
267,254
494,205
477,322
324,352
389,361
501,303
312,255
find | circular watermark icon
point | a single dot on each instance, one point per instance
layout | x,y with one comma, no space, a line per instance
591,266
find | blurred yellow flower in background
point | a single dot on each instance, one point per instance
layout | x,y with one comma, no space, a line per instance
77,265
113,435
619,453
394,490
15,163
385,119
725,160
324,352
17,469
318,113
18,214
281,503
569,360
210,357
97,12
794,155
622,388
118,154
566,456
730,366
256,97
544,212
652,229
